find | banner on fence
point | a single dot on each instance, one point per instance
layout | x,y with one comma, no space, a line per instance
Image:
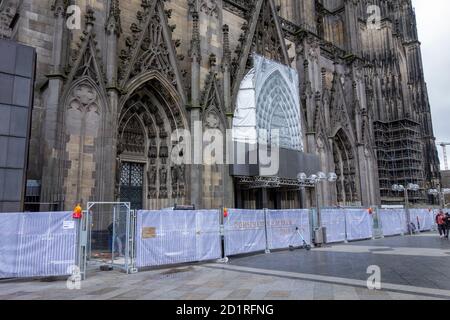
244,231
173,237
37,244
393,221
282,228
334,221
359,224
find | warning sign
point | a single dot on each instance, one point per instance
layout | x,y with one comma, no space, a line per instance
68,225
148,232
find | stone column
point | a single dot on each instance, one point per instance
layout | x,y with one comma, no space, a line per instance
305,11
352,27
113,29
360,148
195,117
51,184
226,69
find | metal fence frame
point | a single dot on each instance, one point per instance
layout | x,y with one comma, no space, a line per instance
85,237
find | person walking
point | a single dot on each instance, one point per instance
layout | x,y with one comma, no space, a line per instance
447,224
117,232
440,220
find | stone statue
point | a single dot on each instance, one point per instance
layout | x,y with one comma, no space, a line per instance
151,176
163,176
181,174
174,173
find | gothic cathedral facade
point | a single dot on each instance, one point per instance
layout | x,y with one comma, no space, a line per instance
110,94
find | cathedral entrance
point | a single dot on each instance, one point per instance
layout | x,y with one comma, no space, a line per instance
132,184
149,176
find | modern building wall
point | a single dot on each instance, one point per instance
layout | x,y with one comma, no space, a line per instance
17,65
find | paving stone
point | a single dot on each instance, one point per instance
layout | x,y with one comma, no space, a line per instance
220,295
194,296
278,294
102,291
240,294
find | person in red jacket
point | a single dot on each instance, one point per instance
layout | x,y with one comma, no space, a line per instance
440,220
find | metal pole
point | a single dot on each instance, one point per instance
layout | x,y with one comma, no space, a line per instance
265,231
319,218
442,201
222,235
408,215
113,236
128,242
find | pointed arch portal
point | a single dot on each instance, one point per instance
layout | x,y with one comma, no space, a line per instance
345,164
149,115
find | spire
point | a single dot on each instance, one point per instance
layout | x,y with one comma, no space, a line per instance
195,42
113,22
226,45
86,59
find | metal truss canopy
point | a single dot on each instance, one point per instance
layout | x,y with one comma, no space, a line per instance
271,183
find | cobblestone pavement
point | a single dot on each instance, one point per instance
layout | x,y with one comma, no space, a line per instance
411,268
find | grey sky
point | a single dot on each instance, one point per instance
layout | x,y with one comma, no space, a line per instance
433,20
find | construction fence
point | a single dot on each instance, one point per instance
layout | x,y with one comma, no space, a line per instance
47,244
174,237
37,244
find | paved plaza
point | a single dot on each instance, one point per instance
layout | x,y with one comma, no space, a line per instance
415,267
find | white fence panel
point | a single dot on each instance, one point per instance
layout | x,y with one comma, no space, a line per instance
209,242
359,224
244,231
174,237
37,244
334,221
282,225
423,219
435,213
393,222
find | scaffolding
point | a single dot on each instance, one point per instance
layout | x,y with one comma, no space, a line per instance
400,158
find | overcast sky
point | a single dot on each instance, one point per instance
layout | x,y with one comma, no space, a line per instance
433,20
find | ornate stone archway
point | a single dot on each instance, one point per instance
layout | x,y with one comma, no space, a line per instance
149,116
346,170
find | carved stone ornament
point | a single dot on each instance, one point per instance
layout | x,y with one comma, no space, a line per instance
210,8
84,98
212,121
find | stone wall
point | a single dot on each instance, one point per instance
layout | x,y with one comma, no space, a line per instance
342,92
